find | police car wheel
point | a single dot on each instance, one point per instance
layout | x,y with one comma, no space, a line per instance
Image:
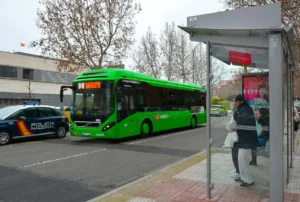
61,132
5,137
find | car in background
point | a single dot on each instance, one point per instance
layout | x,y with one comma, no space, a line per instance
23,121
218,110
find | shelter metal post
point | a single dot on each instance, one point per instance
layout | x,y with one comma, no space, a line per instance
292,113
288,111
276,118
209,141
293,131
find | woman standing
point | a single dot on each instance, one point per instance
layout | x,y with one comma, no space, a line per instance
263,119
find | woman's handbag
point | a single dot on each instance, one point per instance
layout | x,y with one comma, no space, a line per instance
232,135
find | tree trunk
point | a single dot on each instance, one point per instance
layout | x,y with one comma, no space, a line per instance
100,62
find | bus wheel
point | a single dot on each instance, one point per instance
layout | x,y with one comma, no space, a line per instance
193,122
5,137
146,129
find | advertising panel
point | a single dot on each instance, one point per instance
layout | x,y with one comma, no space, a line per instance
256,91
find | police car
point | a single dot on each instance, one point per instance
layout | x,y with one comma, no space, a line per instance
218,110
23,121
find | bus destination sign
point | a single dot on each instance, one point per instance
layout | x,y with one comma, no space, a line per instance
93,85
89,85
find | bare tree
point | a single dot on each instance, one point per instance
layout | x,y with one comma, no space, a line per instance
138,60
29,76
199,67
147,56
199,64
168,46
218,70
29,89
86,33
182,56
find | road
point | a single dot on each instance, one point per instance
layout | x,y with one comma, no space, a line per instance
73,169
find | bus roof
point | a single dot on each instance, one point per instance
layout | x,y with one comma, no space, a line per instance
114,73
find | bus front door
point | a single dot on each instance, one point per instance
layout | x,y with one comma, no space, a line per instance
126,111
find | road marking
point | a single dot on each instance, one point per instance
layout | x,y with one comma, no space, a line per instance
59,159
35,142
173,134
162,137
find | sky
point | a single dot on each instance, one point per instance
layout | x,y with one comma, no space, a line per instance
18,19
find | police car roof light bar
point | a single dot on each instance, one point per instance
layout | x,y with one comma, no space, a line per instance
30,103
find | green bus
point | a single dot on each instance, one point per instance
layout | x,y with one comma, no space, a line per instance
117,103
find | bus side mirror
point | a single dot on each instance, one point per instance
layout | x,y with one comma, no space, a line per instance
61,95
62,89
119,96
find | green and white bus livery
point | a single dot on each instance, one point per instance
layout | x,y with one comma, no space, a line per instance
117,103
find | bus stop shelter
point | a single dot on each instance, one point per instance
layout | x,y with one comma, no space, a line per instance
255,37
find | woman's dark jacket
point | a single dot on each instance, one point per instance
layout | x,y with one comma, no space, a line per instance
264,122
246,127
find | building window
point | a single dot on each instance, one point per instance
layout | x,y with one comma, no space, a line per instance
28,74
8,71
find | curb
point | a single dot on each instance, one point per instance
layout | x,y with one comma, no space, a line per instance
166,172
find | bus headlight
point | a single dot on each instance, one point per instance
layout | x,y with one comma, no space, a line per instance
108,126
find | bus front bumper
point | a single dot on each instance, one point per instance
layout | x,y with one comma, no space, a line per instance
93,132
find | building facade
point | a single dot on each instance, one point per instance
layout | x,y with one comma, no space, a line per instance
25,76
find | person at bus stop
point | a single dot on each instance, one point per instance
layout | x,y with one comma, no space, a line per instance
263,119
230,140
253,161
247,139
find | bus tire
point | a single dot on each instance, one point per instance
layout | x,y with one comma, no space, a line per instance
193,122
146,129
5,137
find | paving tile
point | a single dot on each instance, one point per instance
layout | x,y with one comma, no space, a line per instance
190,184
169,190
141,199
221,168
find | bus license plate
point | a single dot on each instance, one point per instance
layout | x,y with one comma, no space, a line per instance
86,134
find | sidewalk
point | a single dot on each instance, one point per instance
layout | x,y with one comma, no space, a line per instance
185,181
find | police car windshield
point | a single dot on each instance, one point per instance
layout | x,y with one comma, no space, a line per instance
4,112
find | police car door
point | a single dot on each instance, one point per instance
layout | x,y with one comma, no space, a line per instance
45,124
30,116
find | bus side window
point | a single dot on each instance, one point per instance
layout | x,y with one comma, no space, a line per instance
203,102
131,102
140,100
125,102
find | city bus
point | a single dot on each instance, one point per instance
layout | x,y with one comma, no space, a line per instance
118,103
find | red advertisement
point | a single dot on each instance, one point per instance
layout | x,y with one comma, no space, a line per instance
240,58
256,89
256,92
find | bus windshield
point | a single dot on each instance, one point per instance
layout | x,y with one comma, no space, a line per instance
93,102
